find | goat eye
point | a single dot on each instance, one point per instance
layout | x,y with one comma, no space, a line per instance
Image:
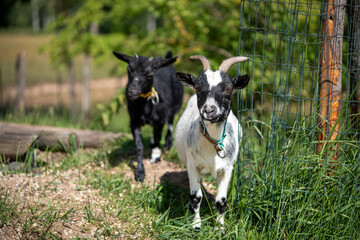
197,89
228,90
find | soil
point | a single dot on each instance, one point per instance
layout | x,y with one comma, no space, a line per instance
63,191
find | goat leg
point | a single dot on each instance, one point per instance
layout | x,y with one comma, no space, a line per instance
156,151
169,138
139,147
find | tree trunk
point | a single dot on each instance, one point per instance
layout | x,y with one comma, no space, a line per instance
73,108
151,22
333,17
35,15
21,81
353,11
50,16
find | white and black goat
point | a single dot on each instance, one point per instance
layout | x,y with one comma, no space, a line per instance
207,134
154,96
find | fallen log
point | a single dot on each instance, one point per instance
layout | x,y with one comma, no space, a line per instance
15,139
14,146
87,138
65,141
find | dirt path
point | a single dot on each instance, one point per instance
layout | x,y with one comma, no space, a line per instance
42,190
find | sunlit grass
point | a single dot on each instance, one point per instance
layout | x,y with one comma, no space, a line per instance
281,189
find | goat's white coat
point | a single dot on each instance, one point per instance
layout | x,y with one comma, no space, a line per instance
200,156
155,154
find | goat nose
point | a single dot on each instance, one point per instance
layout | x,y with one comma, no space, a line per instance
132,91
210,109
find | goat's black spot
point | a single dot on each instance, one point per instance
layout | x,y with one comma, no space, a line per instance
194,202
190,139
221,206
230,134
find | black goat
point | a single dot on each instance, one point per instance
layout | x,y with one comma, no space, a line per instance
151,79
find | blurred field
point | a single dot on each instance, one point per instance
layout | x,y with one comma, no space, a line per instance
39,68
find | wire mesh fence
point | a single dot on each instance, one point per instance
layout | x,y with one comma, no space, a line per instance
298,172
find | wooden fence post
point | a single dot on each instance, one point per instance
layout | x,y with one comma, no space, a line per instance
86,86
86,99
333,17
1,91
20,68
59,89
353,12
72,85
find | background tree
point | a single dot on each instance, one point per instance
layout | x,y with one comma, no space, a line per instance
74,37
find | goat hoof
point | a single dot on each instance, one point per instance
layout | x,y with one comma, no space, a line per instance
221,229
196,227
155,160
168,145
155,155
139,175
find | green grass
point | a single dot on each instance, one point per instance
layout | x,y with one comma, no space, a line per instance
160,210
280,192
281,189
289,191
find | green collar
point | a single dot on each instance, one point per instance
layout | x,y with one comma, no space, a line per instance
218,144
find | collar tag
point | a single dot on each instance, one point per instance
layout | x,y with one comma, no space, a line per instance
218,144
152,95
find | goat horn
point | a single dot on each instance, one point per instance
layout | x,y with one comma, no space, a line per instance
150,59
204,61
136,55
227,63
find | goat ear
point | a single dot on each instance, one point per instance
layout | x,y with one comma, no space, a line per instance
164,62
241,81
122,57
186,79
